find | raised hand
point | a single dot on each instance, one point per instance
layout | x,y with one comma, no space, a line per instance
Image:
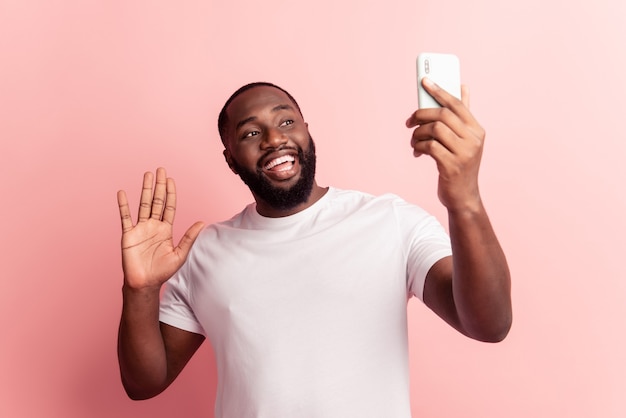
454,139
149,257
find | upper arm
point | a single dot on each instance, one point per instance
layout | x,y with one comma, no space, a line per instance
180,345
438,295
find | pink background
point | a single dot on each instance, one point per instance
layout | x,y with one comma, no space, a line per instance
92,94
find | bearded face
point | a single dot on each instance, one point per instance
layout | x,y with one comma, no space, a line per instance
282,198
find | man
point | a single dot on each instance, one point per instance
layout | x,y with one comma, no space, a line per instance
303,294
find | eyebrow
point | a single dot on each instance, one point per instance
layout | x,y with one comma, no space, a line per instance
253,118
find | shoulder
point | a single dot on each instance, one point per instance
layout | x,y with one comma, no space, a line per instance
218,230
359,198
387,201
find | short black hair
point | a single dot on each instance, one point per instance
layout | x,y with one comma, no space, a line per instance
222,119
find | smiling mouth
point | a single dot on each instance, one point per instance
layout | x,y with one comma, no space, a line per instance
282,163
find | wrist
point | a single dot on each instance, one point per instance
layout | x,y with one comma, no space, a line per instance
460,197
469,206
129,291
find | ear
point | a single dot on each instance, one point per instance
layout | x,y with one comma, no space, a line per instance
229,161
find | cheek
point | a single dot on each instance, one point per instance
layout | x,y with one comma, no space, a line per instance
245,156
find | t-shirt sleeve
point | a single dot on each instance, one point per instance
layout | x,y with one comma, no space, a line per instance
427,242
175,308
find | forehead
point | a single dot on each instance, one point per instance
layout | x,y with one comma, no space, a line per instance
257,100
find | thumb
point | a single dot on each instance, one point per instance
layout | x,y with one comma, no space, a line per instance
188,239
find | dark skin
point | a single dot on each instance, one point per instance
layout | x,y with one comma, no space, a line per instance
266,125
470,291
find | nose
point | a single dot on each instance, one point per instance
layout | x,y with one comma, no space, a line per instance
274,138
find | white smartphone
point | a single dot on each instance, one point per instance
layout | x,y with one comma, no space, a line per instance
444,70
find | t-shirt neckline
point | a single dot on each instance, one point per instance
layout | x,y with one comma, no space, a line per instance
260,221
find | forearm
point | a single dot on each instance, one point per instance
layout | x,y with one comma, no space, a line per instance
481,282
141,350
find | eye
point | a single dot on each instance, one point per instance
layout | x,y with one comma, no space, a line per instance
287,122
250,134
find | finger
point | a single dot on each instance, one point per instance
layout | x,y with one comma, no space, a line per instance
434,149
122,202
447,100
465,98
437,119
429,147
442,96
160,190
170,202
447,114
189,238
145,202
436,131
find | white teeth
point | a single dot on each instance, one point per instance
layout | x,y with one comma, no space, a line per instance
279,160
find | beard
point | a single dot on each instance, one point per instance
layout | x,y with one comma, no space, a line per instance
277,197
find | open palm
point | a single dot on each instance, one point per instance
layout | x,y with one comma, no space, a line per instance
149,257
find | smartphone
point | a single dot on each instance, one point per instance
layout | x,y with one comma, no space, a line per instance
444,70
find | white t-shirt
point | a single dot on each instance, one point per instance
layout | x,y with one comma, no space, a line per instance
307,313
